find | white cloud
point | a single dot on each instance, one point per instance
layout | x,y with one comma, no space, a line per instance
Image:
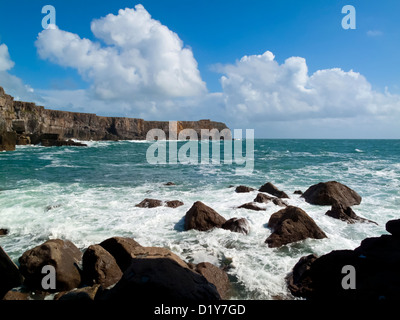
5,61
140,59
12,84
259,89
374,33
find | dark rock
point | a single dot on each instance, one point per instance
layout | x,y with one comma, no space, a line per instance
338,211
10,276
251,206
299,281
217,277
298,192
160,279
329,193
271,189
322,277
201,217
51,207
64,256
16,295
290,225
376,264
263,198
237,225
120,248
8,141
242,189
279,202
393,227
149,203
174,203
81,294
4,232
53,140
18,126
169,184
23,140
156,253
100,267
384,249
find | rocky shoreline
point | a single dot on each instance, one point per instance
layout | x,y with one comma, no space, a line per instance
24,123
119,268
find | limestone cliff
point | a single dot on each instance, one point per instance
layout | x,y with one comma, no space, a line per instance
31,120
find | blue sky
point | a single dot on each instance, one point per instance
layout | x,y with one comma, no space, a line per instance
318,80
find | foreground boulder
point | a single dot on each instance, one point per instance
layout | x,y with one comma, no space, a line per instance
216,276
120,248
271,189
339,211
290,225
330,193
160,279
237,225
64,256
201,217
100,267
81,294
375,263
393,227
10,276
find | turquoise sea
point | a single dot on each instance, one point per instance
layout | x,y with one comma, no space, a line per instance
88,194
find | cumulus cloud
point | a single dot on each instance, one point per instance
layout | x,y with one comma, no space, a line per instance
259,89
136,58
5,61
11,83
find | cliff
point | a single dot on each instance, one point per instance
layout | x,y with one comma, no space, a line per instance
30,122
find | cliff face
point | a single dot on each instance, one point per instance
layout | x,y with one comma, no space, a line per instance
29,119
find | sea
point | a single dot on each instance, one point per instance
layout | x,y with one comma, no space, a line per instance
88,194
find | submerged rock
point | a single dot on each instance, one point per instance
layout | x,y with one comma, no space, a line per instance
330,193
251,206
240,225
339,211
174,204
149,203
290,225
153,203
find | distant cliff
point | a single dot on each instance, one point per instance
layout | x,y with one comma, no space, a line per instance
30,122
